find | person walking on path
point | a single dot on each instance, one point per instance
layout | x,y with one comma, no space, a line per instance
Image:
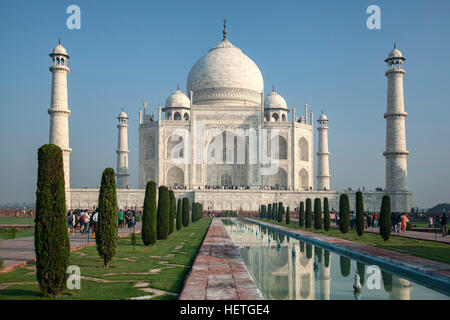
404,221
120,218
444,224
70,222
375,220
94,222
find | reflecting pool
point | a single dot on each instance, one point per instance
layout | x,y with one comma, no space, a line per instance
309,272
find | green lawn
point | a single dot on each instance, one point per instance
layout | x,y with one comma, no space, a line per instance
425,249
7,221
163,266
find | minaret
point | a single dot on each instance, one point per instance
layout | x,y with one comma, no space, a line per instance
59,110
122,151
396,153
323,165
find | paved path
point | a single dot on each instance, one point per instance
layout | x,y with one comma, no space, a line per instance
431,271
416,235
218,272
19,252
407,234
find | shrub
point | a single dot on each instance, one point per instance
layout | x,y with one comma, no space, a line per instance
288,216
162,216
308,214
326,214
301,214
185,211
280,211
148,232
275,211
385,218
106,228
179,215
344,213
263,211
359,213
317,214
51,239
12,233
172,210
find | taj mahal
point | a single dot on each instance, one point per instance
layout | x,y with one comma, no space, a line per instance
227,144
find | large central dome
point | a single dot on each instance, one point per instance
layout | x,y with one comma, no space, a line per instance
225,76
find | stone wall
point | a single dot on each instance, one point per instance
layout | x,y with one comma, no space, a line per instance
245,200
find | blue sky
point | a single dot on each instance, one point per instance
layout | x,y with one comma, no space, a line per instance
320,53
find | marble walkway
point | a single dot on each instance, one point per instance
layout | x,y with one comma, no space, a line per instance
19,252
218,272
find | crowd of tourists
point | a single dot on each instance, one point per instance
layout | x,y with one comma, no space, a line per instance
127,218
399,221
84,221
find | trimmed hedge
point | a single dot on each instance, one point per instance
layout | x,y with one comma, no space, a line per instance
172,210
185,212
359,213
317,214
308,214
179,215
280,211
385,218
51,239
106,233
162,216
326,214
148,232
344,213
288,216
301,214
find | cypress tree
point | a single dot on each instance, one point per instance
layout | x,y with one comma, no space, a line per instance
179,215
106,229
301,214
308,214
288,216
269,211
280,211
274,211
162,216
185,212
51,239
317,214
344,213
326,214
359,213
264,212
172,210
148,232
385,218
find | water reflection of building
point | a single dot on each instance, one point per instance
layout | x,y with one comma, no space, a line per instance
280,274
